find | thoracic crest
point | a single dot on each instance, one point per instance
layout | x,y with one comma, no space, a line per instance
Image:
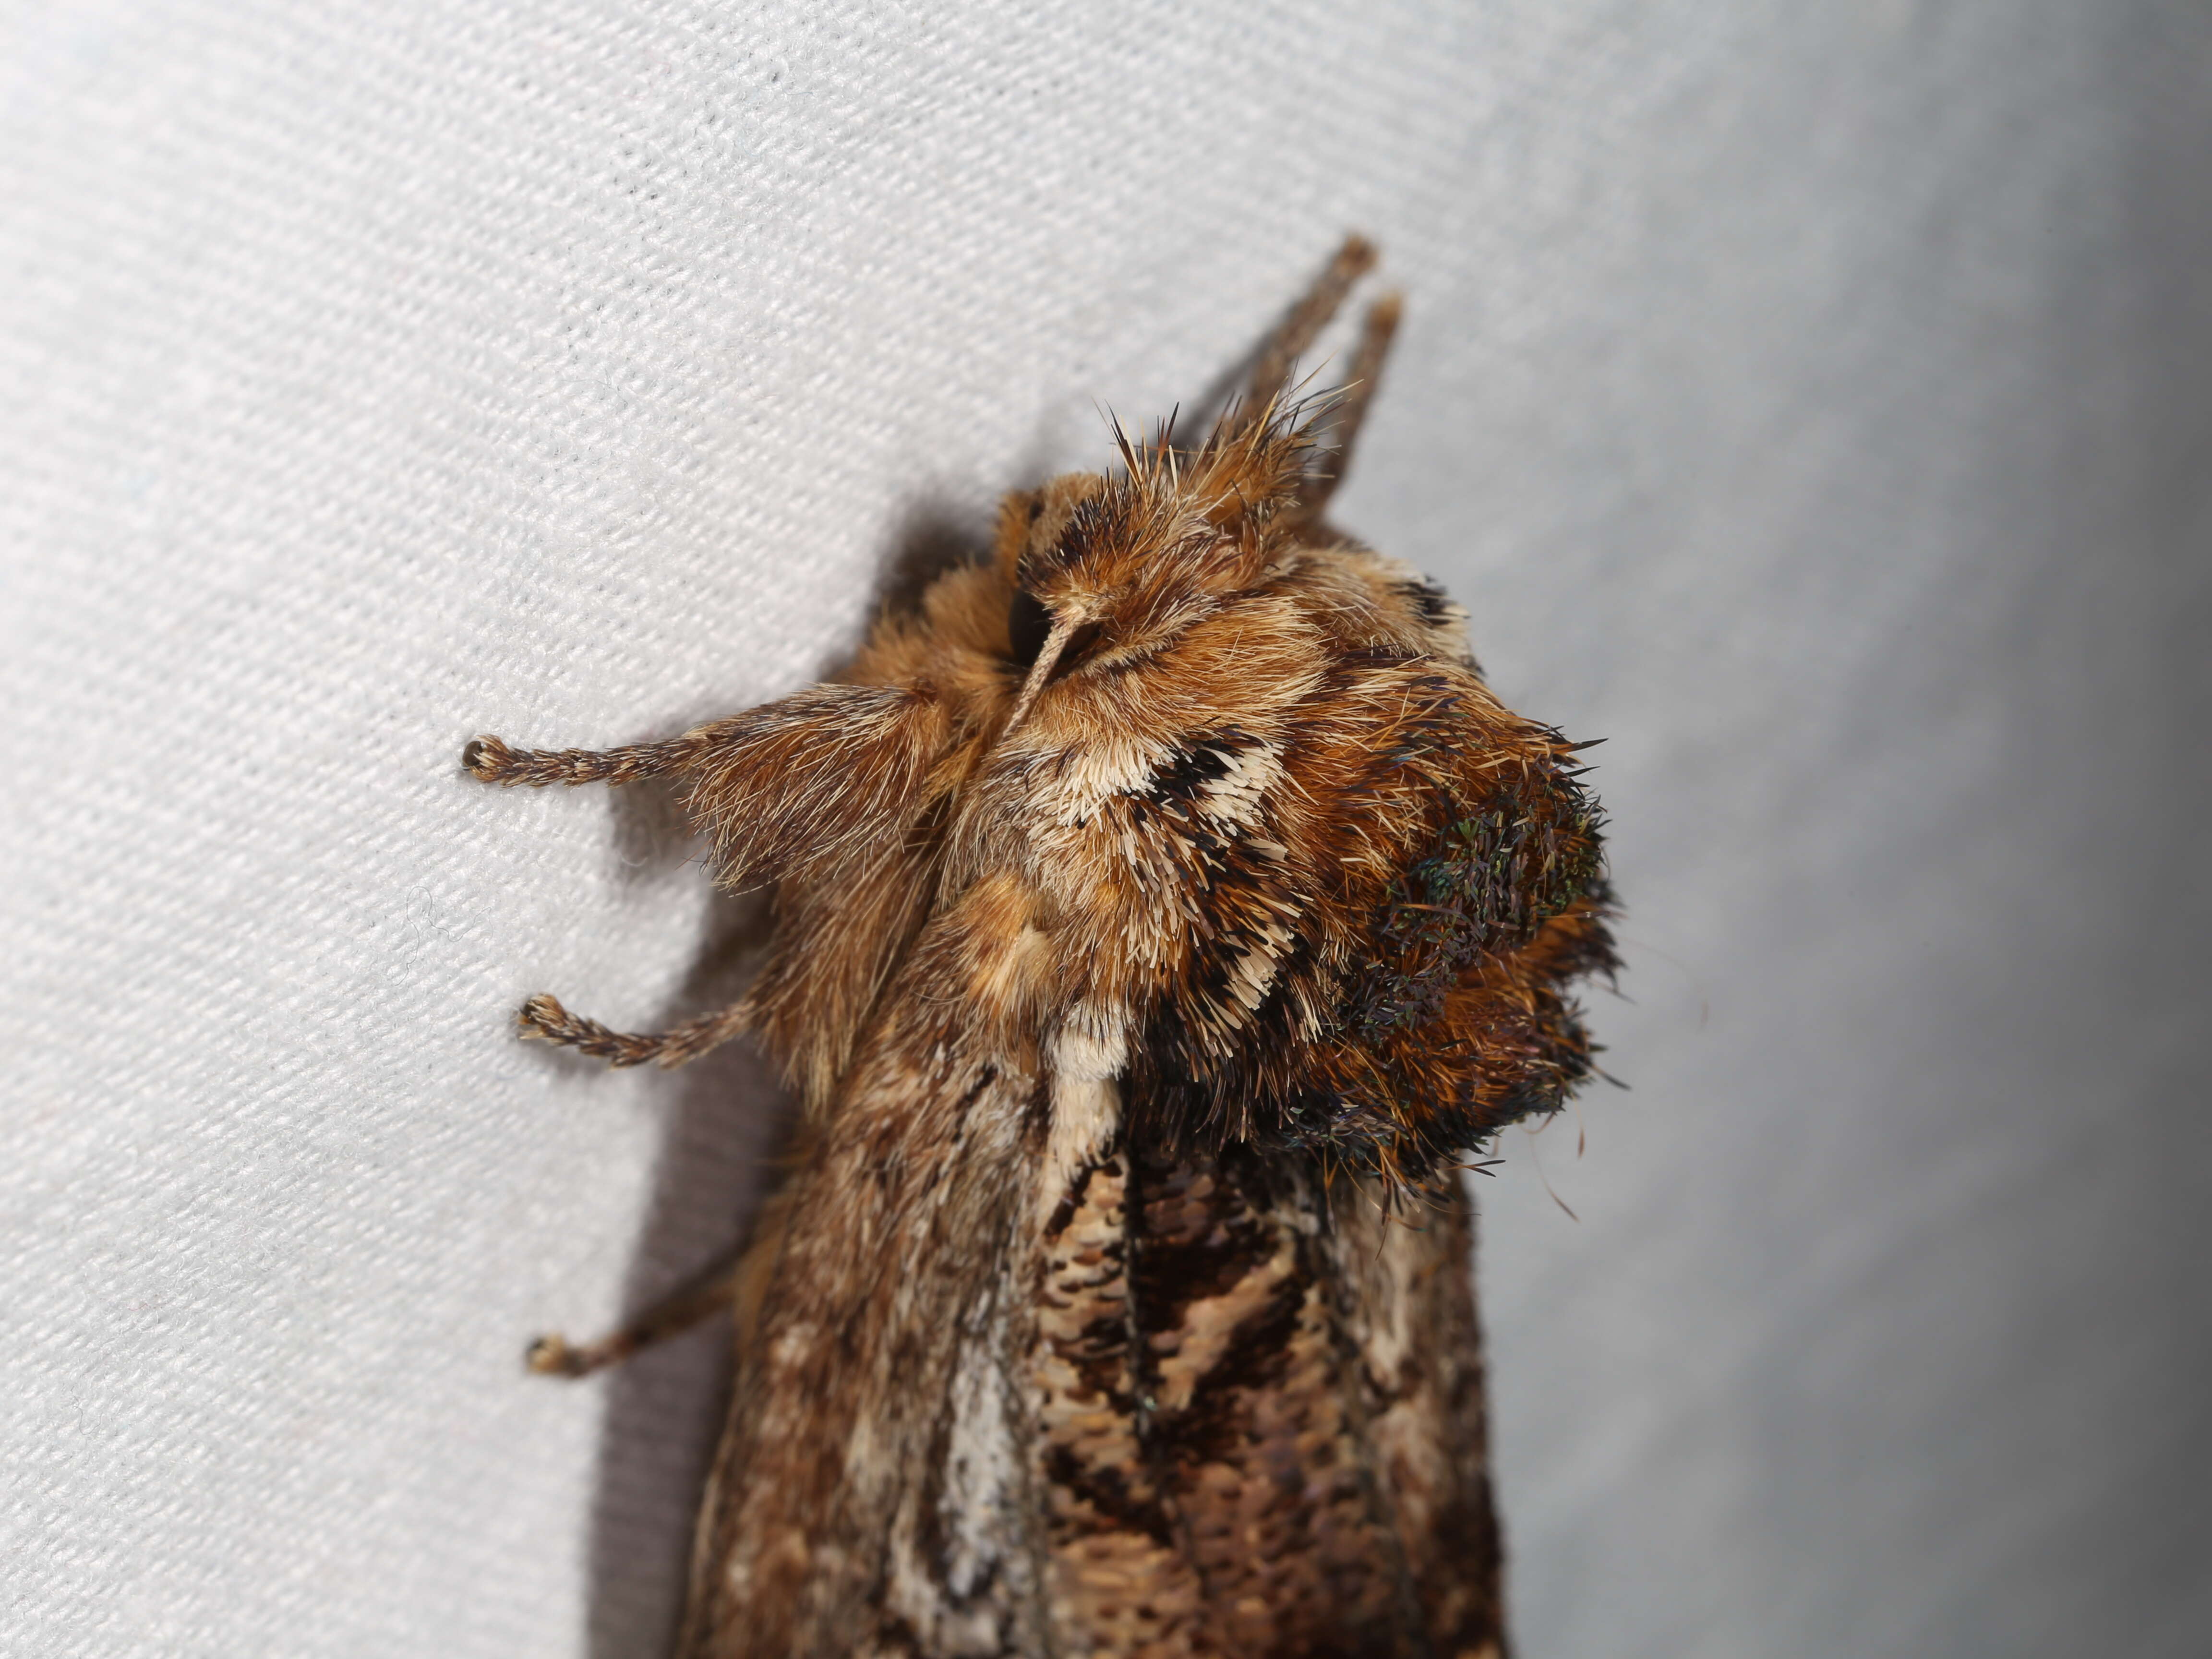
1176,856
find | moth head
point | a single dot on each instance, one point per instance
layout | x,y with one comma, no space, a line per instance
1107,571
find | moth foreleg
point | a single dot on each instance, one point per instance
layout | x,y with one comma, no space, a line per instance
544,1020
555,1356
492,760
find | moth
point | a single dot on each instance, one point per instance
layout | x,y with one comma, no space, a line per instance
1164,909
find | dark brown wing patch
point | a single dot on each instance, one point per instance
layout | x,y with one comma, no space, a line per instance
1249,1441
1120,1581
1253,1418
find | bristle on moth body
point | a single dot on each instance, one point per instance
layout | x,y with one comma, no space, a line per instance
1163,910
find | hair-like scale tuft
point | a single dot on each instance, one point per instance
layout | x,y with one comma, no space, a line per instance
1268,824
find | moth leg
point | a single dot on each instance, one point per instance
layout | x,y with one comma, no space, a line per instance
735,1286
493,761
1358,392
544,1019
694,1305
1302,327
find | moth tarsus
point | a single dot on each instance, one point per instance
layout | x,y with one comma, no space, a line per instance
552,1356
690,1306
1166,914
543,1019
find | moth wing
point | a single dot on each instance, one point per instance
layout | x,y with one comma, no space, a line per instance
1409,1320
871,1491
1259,1416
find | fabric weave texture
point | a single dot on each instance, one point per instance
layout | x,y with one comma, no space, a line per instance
1811,400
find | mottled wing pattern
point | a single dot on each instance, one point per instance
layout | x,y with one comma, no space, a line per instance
1249,1441
1405,1276
1122,1580
873,1492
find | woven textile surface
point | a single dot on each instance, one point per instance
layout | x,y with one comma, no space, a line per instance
1811,400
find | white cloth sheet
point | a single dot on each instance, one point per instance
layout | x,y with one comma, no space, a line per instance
1810,399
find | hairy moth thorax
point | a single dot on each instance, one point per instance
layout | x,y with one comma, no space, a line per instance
1213,796
1257,840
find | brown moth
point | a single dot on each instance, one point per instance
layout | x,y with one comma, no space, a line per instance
1163,911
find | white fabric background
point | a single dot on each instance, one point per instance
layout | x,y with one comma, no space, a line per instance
1812,399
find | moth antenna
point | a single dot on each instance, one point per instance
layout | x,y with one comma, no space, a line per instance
1041,671
1354,259
1352,400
